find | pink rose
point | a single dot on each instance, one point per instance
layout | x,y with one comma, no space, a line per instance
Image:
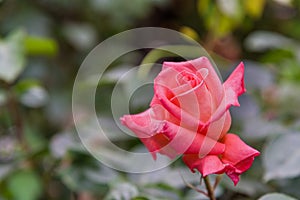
189,116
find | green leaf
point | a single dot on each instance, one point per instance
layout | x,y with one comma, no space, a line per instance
276,196
217,22
205,7
254,8
281,157
24,85
12,59
277,56
25,185
40,46
290,71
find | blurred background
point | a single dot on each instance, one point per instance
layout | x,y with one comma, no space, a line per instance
44,42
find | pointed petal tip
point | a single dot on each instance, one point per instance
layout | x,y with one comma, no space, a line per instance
234,86
235,182
241,68
235,177
154,156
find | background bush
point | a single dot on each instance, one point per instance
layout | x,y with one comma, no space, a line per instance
43,44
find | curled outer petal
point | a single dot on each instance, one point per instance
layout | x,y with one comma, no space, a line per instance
234,86
236,159
238,155
146,129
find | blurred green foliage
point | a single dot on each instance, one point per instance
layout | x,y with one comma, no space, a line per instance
43,44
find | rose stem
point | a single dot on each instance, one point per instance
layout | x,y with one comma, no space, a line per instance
210,189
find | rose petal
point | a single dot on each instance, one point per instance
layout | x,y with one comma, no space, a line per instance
210,164
165,90
142,124
238,154
167,78
158,112
232,174
190,142
217,129
158,144
234,87
146,128
186,119
197,101
212,80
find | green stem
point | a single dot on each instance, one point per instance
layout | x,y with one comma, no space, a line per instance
210,189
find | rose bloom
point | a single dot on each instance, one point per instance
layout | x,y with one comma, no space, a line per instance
189,116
